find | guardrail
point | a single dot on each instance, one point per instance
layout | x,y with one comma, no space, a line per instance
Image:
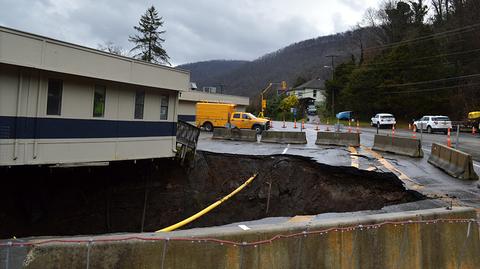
338,139
454,162
284,137
235,134
399,145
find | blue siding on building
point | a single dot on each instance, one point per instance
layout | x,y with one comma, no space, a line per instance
59,128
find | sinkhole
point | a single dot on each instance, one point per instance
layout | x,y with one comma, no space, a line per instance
149,195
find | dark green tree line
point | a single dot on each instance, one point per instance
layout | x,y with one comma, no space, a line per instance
417,66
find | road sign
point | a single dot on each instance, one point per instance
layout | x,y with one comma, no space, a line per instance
294,111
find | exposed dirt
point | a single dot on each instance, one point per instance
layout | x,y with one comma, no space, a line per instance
60,201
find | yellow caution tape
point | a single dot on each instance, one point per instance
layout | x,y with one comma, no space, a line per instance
207,209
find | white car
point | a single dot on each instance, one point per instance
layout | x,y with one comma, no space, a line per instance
432,124
383,119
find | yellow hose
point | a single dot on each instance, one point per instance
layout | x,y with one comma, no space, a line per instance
207,209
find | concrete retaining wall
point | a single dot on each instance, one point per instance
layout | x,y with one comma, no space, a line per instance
454,162
284,137
399,145
427,239
338,139
235,134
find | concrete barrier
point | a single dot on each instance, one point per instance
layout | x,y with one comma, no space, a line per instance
284,137
454,162
427,239
235,134
399,145
338,139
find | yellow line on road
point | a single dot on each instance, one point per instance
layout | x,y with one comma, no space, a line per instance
353,155
393,169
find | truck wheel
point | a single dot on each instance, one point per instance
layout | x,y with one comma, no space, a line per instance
429,129
208,126
257,128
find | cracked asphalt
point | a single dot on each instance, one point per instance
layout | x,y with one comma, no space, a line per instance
416,173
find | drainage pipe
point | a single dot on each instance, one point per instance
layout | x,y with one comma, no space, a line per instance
207,209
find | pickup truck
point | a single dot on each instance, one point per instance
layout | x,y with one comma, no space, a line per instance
219,115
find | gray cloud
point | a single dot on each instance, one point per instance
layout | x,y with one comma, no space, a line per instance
196,30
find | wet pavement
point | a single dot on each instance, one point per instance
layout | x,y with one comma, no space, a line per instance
416,173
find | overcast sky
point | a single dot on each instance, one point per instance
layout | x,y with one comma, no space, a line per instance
197,30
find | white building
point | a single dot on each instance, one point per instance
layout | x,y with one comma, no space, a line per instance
64,103
313,89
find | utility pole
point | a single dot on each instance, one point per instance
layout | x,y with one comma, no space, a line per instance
332,57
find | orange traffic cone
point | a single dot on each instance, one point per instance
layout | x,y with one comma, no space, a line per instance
303,124
449,142
409,126
349,126
295,124
358,127
414,133
393,130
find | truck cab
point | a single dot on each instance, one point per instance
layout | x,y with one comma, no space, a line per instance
245,120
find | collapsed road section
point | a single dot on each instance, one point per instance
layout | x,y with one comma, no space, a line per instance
148,195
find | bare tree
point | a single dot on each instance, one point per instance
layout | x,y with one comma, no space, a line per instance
110,47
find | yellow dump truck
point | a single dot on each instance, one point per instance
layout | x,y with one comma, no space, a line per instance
215,115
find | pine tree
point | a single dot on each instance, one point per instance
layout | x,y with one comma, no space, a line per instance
149,41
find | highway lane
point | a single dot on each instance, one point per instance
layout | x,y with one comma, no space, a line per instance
416,173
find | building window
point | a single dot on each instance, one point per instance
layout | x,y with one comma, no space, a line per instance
99,101
54,99
164,107
139,103
314,93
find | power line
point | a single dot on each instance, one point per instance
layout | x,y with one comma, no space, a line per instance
430,81
410,91
426,57
467,28
434,89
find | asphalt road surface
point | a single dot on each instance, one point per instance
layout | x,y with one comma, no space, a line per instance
416,173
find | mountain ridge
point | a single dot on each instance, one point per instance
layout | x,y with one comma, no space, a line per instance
305,59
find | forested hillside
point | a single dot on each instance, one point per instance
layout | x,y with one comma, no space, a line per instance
418,64
306,59
207,73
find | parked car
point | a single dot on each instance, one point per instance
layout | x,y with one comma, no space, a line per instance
345,115
432,124
383,119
